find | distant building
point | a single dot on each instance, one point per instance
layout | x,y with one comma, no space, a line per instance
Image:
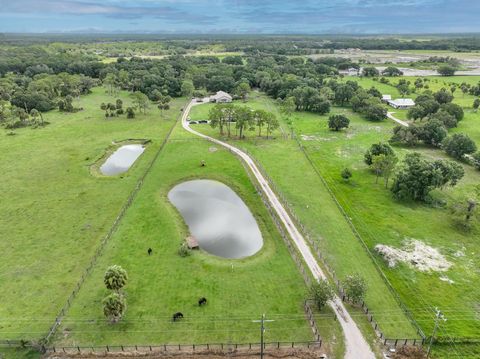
221,97
349,72
386,98
402,103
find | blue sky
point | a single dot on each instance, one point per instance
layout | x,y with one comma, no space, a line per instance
241,16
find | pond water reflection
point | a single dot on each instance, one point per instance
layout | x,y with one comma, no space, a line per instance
121,160
218,218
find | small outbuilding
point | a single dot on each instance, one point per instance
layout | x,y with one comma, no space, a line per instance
386,98
402,103
221,97
192,242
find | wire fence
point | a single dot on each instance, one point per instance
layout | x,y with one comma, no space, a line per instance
181,348
399,301
313,244
316,343
106,238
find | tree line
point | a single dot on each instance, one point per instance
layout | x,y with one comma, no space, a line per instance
235,120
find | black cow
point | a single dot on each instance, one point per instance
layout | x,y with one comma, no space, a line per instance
177,316
150,250
202,301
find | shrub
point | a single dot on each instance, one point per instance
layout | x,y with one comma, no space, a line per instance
183,250
337,122
392,71
448,120
346,174
355,287
418,177
433,132
443,96
454,110
321,292
130,112
446,70
115,278
370,72
375,113
114,307
476,160
377,149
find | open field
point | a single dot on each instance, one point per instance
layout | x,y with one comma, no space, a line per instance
59,210
378,217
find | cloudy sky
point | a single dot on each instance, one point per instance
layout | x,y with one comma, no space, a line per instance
241,16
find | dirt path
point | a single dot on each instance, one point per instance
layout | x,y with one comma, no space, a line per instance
356,345
400,122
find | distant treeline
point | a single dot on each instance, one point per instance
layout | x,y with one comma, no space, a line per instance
280,44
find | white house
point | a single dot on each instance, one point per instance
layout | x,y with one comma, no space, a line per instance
402,103
386,98
221,97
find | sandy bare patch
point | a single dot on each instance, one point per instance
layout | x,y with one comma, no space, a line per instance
375,128
415,253
460,252
213,149
444,278
308,138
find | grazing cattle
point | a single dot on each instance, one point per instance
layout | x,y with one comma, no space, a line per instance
150,250
177,316
202,301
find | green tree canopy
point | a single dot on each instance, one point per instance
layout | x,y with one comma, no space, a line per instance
458,145
114,307
115,278
355,287
320,293
337,122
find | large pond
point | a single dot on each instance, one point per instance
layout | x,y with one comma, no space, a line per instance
218,218
121,160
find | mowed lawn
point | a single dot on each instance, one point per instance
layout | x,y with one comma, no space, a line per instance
308,197
238,291
54,212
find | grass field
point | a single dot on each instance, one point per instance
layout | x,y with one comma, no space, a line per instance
238,291
55,212
379,219
48,178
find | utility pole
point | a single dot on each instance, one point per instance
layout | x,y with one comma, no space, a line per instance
262,331
438,316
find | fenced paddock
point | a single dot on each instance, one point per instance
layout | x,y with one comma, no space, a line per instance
420,340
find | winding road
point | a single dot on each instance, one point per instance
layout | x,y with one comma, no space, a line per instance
400,122
356,345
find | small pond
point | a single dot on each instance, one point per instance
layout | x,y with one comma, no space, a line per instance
121,160
218,218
